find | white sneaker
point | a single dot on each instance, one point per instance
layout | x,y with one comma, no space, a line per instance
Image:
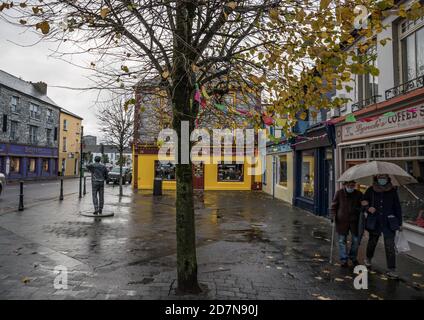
392,274
368,262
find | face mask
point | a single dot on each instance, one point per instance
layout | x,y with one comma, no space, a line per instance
382,181
350,190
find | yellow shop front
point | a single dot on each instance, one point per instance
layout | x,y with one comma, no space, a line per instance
217,175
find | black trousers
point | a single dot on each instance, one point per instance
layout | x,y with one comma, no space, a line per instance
98,189
389,246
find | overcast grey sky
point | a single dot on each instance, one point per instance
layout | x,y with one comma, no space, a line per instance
34,64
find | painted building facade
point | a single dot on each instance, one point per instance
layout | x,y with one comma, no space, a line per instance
29,130
153,113
389,112
216,175
69,143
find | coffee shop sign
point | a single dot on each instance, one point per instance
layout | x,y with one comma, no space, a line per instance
404,119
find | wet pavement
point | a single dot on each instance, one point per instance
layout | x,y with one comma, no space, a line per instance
249,246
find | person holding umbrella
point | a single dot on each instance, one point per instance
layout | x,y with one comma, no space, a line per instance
384,216
345,211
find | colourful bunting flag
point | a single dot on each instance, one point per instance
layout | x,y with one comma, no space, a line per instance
242,111
389,114
203,103
281,122
197,96
221,107
205,93
268,120
369,119
350,118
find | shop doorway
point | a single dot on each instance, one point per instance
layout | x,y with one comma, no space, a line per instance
198,176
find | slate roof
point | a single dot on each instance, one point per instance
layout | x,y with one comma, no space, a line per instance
25,87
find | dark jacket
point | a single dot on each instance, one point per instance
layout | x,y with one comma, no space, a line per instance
346,208
388,217
98,172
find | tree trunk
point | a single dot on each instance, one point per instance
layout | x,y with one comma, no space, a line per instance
181,93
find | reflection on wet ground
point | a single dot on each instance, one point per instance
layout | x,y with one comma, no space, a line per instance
249,246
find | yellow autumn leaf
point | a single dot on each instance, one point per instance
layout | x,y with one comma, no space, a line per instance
25,280
324,4
104,12
43,26
274,14
165,74
232,5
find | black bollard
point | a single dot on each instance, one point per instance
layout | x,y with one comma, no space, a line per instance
21,197
85,181
61,190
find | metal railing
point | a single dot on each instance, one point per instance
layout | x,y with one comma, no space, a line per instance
366,102
405,87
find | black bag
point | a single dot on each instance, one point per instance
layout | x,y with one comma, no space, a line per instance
371,222
393,222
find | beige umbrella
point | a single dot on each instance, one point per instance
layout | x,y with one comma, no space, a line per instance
363,173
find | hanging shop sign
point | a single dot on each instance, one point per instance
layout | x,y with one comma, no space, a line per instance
401,120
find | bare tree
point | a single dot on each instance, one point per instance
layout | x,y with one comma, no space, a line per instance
214,44
116,122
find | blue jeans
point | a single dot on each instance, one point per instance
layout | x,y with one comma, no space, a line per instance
353,253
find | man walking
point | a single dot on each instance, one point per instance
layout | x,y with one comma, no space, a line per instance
345,211
98,176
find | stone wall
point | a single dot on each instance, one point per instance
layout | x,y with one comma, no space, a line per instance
22,116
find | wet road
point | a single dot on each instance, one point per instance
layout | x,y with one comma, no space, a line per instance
249,247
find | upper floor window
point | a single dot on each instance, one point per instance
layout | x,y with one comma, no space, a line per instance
49,116
33,134
65,124
368,83
14,102
49,136
412,49
64,147
34,111
14,130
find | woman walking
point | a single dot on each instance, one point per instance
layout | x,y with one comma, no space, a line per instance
384,217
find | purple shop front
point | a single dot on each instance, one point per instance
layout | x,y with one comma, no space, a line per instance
28,162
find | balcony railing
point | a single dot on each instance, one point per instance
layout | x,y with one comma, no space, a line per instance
366,102
405,87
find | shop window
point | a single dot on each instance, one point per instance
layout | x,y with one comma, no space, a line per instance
164,171
15,165
32,165
230,172
283,171
46,165
308,173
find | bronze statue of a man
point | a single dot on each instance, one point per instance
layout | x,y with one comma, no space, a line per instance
98,176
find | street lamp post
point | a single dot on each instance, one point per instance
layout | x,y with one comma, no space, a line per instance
81,173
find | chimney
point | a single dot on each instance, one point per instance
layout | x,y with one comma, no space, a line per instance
41,87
